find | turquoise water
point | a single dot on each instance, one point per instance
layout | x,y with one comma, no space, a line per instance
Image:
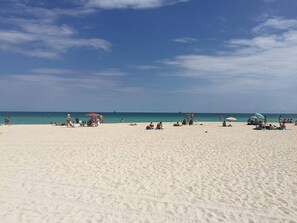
111,117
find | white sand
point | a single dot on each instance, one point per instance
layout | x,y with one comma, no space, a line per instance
119,173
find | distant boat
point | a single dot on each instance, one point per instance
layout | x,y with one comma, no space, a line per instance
114,112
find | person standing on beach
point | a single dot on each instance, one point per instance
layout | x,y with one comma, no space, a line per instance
221,118
68,121
101,119
7,120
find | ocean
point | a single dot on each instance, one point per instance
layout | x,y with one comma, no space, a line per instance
115,117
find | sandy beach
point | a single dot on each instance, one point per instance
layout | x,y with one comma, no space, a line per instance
122,173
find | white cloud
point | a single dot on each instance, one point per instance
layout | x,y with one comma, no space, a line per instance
185,40
46,46
18,7
264,61
36,32
135,4
110,73
56,71
144,67
275,24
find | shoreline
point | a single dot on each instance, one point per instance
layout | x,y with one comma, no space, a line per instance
143,123
47,118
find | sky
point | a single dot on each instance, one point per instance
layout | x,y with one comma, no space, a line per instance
148,55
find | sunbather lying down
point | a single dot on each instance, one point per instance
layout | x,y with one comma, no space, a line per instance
60,124
132,124
270,127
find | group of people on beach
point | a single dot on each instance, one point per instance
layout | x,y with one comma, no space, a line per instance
288,120
151,126
189,120
261,125
93,121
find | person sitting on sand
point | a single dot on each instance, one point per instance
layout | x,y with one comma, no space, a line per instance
261,125
177,124
184,122
191,122
159,126
224,124
150,126
272,127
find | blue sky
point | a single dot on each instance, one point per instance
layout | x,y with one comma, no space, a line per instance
148,55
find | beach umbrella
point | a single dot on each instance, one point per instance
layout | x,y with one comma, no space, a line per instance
92,114
231,119
258,115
